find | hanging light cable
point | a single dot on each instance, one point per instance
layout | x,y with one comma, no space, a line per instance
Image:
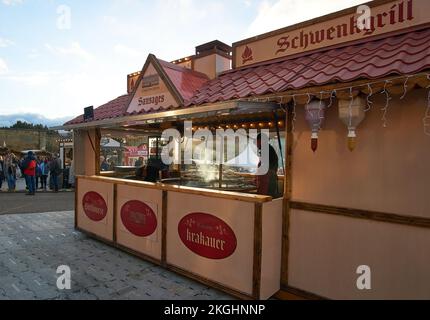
385,109
405,88
369,103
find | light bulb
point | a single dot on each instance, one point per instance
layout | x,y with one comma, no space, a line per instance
352,143
314,141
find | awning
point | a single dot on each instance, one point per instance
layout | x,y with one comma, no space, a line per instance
405,54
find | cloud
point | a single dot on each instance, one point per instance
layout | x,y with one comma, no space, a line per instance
125,51
74,49
3,67
32,79
34,54
11,119
11,2
4,43
283,13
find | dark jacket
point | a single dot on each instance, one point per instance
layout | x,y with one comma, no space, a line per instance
55,167
2,173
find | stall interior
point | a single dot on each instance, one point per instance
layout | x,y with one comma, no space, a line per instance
236,172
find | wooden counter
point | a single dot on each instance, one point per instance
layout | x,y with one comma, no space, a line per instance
227,240
197,191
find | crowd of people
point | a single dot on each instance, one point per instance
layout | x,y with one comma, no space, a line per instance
40,173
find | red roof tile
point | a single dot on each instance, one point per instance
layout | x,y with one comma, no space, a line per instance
113,109
186,81
404,54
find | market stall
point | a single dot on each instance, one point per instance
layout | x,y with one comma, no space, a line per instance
345,115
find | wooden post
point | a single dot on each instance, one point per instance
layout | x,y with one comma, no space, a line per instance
289,142
98,137
76,201
258,249
164,229
115,212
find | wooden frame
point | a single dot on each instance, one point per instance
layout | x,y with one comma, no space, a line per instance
258,230
258,250
164,230
289,137
407,220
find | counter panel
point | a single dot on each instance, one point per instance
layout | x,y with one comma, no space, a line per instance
139,219
94,208
234,271
272,248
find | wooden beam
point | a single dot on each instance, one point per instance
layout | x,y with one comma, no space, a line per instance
258,249
287,194
164,229
116,212
253,198
290,293
97,140
76,201
411,221
209,283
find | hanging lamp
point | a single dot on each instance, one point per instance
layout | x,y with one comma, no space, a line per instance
315,114
352,113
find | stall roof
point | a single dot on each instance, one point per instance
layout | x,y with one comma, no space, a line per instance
185,81
403,54
113,109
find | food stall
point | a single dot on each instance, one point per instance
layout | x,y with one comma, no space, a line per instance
208,230
206,222
345,107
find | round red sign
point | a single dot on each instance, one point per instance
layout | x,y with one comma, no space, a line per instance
207,236
94,206
139,218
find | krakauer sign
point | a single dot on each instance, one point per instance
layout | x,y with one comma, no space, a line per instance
207,236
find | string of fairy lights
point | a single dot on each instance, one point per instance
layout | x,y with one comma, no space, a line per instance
351,112
332,94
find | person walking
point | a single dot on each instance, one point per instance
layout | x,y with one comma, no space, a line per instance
72,174
2,174
29,168
55,171
44,169
38,174
10,171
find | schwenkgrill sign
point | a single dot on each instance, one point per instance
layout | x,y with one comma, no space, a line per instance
207,236
324,32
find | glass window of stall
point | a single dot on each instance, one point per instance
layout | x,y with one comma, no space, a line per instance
238,167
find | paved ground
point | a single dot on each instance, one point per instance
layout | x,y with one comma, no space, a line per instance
41,202
32,246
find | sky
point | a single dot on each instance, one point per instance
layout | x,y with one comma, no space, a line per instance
58,57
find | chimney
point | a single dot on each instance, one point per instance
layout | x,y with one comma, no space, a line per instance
212,58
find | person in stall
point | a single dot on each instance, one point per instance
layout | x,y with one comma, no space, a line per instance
267,184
